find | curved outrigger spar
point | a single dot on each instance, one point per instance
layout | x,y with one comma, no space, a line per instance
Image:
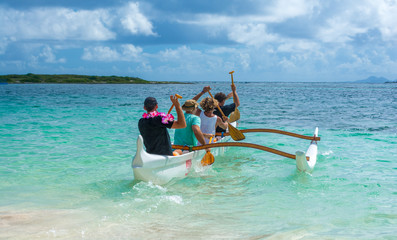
161,169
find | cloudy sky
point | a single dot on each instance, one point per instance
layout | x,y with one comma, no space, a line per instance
201,40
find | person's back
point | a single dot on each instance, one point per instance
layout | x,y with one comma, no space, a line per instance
186,136
155,134
153,126
227,110
208,124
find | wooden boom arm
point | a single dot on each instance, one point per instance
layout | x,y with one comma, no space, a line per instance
236,144
274,131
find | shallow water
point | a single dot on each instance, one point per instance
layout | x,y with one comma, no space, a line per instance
66,166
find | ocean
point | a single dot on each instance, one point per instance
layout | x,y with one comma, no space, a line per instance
66,151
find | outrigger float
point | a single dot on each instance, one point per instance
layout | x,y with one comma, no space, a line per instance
160,169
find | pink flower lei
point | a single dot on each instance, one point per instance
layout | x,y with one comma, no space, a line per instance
164,117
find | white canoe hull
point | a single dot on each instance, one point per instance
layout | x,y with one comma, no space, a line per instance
160,169
304,165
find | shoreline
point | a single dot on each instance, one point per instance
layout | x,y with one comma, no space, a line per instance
31,78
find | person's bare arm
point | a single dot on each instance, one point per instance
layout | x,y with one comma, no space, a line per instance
180,122
236,99
220,123
198,96
199,135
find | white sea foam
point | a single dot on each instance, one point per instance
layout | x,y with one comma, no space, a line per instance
327,153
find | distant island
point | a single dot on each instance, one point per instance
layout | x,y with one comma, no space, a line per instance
71,78
373,79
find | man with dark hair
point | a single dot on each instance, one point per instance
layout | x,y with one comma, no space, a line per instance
153,126
229,108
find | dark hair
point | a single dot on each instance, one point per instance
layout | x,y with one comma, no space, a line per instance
220,96
150,103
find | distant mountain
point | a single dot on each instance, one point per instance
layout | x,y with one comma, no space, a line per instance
373,79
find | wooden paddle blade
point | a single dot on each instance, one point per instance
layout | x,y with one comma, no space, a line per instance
234,116
208,159
235,133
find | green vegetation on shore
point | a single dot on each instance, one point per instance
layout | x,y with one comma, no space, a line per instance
70,78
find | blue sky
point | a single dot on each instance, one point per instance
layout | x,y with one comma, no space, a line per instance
200,40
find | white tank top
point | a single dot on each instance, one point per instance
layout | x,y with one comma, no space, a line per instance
207,124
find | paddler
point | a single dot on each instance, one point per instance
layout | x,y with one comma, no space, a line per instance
209,121
192,134
228,108
153,126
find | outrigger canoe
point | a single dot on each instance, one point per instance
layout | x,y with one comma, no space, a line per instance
160,169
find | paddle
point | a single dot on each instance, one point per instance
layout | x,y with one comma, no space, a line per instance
237,144
234,116
178,96
315,138
208,158
234,132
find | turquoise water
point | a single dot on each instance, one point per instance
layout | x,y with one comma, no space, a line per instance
66,172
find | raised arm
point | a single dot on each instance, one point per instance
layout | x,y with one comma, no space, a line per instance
198,96
220,123
236,99
180,122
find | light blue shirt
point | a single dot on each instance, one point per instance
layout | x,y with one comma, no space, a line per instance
185,136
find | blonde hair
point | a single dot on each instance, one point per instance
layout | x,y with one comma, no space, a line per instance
208,104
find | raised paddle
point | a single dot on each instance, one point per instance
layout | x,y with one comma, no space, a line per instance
234,132
275,131
234,116
208,158
237,144
178,96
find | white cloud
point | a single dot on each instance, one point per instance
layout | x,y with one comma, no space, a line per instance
341,29
100,53
143,67
287,9
181,53
134,21
221,50
49,57
251,29
287,64
360,17
129,51
4,44
184,59
251,34
387,12
273,12
126,52
55,23
60,23
336,22
298,46
245,60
